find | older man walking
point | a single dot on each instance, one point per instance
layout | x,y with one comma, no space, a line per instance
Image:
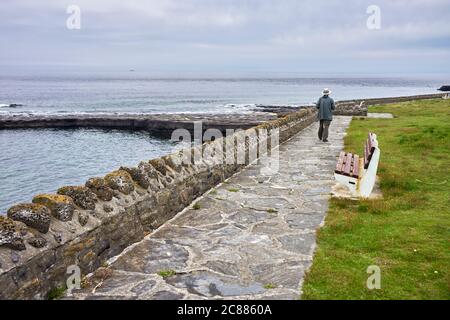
325,105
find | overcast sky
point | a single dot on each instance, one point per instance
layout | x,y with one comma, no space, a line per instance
314,37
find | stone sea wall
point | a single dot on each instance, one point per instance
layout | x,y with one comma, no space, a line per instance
374,101
359,106
160,125
86,225
356,107
351,108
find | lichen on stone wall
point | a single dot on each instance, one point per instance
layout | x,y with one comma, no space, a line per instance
34,215
175,161
61,207
159,165
37,242
81,195
10,234
120,180
100,188
139,175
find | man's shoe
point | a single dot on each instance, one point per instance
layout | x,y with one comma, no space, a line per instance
325,140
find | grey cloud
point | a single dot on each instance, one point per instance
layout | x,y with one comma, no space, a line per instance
258,34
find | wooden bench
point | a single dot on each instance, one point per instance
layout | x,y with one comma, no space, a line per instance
359,174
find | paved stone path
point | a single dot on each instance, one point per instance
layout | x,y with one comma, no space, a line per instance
252,238
378,115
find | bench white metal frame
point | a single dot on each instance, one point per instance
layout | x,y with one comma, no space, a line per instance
359,175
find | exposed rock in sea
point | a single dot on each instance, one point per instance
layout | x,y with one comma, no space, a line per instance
34,215
444,88
10,235
82,196
61,207
12,105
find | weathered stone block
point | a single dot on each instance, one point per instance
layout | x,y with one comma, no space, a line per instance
175,162
107,208
61,207
10,234
37,242
138,175
82,196
159,165
33,215
120,180
146,167
83,218
146,205
100,188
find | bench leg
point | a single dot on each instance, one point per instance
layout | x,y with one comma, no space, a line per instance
368,179
348,182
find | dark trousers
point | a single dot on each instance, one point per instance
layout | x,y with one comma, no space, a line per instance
323,129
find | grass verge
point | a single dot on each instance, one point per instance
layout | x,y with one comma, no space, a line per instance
406,234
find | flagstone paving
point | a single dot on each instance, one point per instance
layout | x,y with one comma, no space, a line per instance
252,237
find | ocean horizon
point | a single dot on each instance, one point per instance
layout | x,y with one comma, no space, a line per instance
142,92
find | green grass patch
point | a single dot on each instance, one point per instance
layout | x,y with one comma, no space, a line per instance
56,293
196,206
270,286
233,190
167,273
407,233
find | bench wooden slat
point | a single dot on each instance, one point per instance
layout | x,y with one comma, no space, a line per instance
355,169
369,143
373,141
369,149
348,164
340,162
366,156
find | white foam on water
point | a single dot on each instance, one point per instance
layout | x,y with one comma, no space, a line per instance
243,108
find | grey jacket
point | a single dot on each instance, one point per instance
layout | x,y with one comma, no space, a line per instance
326,107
